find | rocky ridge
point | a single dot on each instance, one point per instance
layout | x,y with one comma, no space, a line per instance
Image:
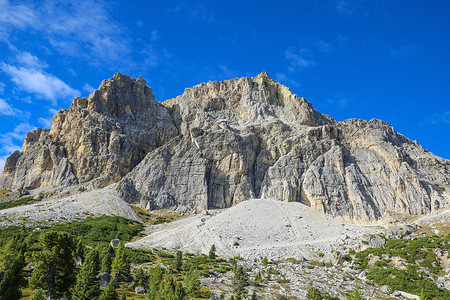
221,143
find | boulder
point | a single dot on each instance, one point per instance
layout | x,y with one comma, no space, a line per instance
104,279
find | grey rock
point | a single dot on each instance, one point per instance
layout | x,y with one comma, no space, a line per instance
99,139
104,279
140,290
376,241
115,243
399,231
386,289
221,143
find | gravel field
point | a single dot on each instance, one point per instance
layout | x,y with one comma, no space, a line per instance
258,228
76,207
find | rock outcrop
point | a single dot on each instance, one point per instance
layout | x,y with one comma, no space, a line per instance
99,139
221,143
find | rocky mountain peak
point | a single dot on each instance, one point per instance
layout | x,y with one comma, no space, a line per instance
221,143
119,95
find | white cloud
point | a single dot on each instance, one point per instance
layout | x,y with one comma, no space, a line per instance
29,60
298,59
155,36
2,162
45,123
9,141
2,87
42,84
440,118
88,88
8,110
82,29
14,16
283,78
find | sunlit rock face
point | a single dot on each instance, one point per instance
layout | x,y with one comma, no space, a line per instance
221,143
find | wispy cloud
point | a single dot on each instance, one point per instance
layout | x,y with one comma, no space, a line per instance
435,119
195,11
14,16
283,78
11,141
2,87
347,8
39,82
82,29
298,59
88,88
403,52
8,110
45,123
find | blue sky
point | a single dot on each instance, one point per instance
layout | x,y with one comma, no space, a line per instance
352,59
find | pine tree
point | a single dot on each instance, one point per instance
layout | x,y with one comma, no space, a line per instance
192,282
124,295
265,262
110,292
258,278
180,293
106,263
212,252
86,287
167,288
178,261
54,268
11,282
154,282
139,278
240,281
79,249
120,265
422,295
40,295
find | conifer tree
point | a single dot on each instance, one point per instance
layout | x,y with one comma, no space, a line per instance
139,278
212,252
167,289
154,282
124,295
120,265
110,292
79,249
180,293
40,295
86,287
12,279
192,282
106,263
178,261
240,281
54,268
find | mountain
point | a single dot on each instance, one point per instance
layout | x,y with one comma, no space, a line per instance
221,143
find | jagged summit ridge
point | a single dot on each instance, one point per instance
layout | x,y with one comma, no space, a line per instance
220,143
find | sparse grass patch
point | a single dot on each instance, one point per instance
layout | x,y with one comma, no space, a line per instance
21,201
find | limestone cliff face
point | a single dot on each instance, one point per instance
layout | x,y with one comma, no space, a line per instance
221,143
99,139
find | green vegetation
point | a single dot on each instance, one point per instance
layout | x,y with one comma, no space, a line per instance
316,294
13,203
414,254
55,248
86,286
54,269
